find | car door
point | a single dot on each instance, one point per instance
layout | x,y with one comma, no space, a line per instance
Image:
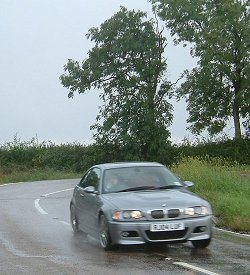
90,202
80,202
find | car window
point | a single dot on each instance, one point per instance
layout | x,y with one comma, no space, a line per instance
92,178
118,179
112,182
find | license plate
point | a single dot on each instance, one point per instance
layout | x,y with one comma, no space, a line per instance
170,226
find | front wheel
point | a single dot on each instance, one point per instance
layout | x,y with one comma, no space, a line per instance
104,235
73,219
201,243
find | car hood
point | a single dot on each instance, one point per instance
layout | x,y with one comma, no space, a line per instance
156,199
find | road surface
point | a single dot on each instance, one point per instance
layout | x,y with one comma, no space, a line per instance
36,238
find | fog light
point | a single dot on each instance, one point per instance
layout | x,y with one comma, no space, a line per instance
200,229
203,228
125,234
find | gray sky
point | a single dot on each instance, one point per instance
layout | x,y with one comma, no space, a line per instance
37,39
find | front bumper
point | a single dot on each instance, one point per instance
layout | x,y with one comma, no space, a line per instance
139,232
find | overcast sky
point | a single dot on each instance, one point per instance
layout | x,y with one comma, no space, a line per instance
37,39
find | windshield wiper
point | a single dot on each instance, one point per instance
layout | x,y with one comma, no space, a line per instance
138,188
173,186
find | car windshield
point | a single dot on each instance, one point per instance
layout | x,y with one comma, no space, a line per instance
139,178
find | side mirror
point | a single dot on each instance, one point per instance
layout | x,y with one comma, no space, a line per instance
90,189
188,183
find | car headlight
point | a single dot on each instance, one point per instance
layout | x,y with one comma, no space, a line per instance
196,211
127,215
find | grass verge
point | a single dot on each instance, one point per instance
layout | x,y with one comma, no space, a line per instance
35,175
225,185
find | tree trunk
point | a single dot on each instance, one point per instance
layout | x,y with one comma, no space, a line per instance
236,108
236,117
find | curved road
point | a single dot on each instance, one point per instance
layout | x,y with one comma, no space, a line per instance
36,238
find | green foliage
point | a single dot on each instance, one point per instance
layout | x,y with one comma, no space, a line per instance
114,153
13,175
226,186
20,153
24,155
237,150
127,63
219,33
68,157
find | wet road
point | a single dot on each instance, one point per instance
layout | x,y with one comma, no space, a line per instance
36,238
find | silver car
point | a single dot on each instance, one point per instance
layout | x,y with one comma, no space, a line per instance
137,203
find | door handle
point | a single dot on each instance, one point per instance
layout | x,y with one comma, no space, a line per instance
81,195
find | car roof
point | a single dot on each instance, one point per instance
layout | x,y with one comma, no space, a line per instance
128,164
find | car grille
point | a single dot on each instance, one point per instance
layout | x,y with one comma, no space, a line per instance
166,235
173,213
157,214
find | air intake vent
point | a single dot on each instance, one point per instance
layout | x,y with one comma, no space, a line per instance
173,213
157,214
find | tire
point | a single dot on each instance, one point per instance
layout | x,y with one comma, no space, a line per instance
73,220
201,243
104,235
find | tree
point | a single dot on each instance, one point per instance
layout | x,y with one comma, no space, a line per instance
127,65
219,33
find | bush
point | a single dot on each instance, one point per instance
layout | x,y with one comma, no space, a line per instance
232,150
19,155
22,155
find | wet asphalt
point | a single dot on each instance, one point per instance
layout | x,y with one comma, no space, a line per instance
36,238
